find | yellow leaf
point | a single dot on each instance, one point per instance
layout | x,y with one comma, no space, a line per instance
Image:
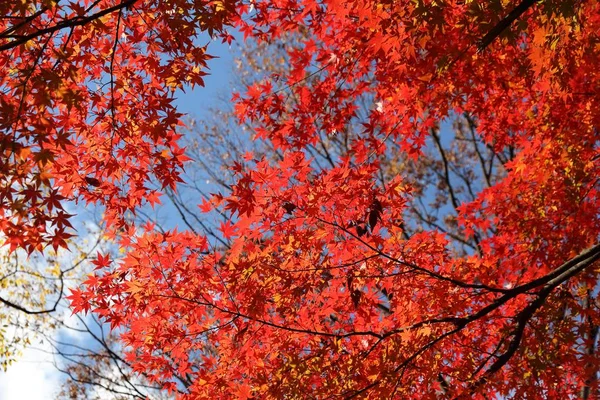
219,6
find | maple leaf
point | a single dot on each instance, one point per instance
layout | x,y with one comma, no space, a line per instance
101,261
205,206
79,301
153,198
228,229
244,392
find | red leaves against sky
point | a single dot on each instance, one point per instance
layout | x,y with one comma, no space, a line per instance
86,107
318,291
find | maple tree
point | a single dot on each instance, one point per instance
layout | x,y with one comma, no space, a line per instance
85,114
329,278
86,106
452,169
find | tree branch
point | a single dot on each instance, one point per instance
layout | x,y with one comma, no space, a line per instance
505,23
77,21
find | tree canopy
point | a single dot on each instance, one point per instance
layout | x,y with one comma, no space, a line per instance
418,214
86,106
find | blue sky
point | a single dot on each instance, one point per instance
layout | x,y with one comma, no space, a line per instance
198,101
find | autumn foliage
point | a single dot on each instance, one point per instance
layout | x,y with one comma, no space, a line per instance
323,285
86,107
